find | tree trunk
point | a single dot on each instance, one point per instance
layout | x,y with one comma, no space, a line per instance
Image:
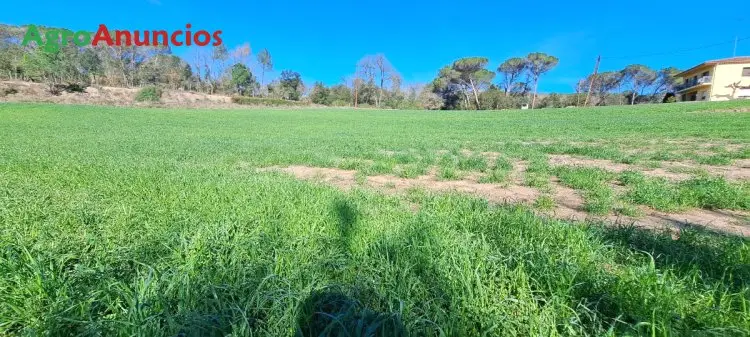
474,90
633,96
380,93
262,77
533,98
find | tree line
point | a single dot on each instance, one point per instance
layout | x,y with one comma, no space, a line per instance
209,70
466,83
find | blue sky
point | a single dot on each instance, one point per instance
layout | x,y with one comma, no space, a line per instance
324,39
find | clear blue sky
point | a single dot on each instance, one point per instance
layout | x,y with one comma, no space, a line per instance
324,39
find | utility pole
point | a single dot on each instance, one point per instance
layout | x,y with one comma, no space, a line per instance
356,83
593,78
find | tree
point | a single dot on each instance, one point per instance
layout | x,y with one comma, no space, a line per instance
291,85
538,64
340,95
266,64
450,88
91,64
604,83
385,73
320,94
241,78
639,77
666,80
511,69
471,71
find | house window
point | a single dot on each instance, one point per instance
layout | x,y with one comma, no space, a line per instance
746,71
704,74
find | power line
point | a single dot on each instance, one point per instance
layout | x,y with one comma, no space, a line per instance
675,51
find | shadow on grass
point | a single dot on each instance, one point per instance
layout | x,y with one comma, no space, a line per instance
347,218
331,312
717,257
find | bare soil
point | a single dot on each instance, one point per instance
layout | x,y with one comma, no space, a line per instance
111,96
569,204
117,96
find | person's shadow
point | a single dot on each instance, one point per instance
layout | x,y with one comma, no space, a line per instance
330,312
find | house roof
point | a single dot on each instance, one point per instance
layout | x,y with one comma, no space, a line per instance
730,60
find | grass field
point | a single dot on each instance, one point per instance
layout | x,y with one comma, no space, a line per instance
160,222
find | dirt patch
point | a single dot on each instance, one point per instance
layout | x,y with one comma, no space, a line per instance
743,109
568,202
116,96
740,170
346,179
566,160
569,206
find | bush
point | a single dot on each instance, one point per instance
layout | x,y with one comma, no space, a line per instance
75,87
58,89
149,94
260,101
430,101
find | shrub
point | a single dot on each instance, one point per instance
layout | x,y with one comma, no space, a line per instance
149,94
58,89
261,101
75,87
430,101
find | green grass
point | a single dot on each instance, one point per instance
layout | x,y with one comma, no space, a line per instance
154,222
594,182
448,173
701,192
544,203
499,173
475,162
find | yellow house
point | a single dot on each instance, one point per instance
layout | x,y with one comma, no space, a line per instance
715,80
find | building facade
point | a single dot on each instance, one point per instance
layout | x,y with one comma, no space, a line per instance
715,80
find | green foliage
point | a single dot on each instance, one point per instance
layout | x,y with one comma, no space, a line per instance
291,85
320,94
149,94
241,78
495,99
552,100
639,76
512,69
537,65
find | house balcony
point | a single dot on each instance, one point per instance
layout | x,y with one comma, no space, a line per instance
692,83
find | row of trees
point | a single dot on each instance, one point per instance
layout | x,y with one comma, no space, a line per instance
209,70
634,84
466,83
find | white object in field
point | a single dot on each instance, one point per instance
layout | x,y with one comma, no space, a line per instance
524,106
